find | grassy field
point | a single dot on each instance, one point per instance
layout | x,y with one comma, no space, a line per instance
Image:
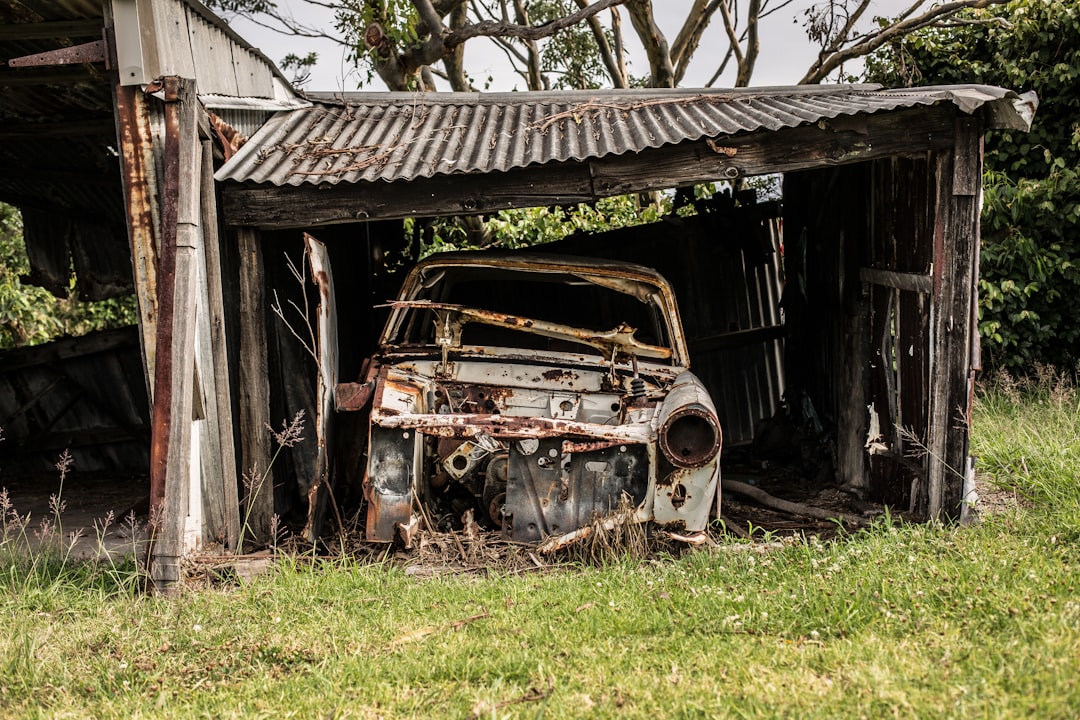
897,621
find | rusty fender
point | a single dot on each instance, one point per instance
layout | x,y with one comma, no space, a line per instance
688,430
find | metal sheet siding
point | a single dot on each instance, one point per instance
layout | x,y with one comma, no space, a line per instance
366,137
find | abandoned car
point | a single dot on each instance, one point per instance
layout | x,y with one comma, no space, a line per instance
538,393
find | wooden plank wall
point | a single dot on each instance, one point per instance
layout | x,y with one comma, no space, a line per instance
881,311
901,256
826,221
954,323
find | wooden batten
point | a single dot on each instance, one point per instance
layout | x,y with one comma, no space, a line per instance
219,479
258,509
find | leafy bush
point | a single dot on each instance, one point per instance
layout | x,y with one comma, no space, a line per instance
30,315
1031,215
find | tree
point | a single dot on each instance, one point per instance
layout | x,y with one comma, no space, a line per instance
579,43
1030,260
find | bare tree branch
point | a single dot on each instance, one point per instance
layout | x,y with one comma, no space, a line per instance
534,78
454,62
616,72
689,37
734,42
656,46
753,45
825,65
489,28
620,52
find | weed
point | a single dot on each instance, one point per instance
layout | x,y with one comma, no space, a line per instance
291,433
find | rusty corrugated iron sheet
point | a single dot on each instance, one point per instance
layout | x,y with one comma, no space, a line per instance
366,137
85,395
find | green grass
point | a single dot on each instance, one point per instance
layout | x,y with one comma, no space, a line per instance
897,621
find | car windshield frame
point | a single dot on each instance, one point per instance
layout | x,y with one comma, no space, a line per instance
427,282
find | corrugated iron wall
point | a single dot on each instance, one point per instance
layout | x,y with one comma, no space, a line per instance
86,395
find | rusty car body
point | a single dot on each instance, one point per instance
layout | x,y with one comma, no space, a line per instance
538,393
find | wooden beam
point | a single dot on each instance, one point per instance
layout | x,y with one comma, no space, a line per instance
65,76
89,126
736,339
307,206
72,439
826,144
66,348
70,175
800,148
170,446
220,496
52,30
254,390
911,282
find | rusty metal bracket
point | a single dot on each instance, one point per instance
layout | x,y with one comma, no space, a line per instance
90,52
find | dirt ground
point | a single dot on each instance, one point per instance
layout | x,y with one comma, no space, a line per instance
87,500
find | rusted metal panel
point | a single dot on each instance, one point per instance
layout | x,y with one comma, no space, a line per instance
327,356
364,137
140,196
86,53
83,394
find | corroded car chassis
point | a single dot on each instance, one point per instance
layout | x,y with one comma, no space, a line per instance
532,440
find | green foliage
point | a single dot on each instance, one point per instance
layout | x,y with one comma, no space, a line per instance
397,18
300,67
525,227
571,55
1031,217
30,315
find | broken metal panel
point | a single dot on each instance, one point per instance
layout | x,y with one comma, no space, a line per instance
327,357
389,484
550,492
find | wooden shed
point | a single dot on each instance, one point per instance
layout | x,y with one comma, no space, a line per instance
873,342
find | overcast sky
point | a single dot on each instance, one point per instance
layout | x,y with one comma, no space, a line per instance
785,51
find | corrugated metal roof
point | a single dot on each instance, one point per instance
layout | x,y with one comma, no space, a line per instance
364,137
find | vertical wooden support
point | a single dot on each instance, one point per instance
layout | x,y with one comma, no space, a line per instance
854,362
135,139
254,390
219,481
170,448
956,237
